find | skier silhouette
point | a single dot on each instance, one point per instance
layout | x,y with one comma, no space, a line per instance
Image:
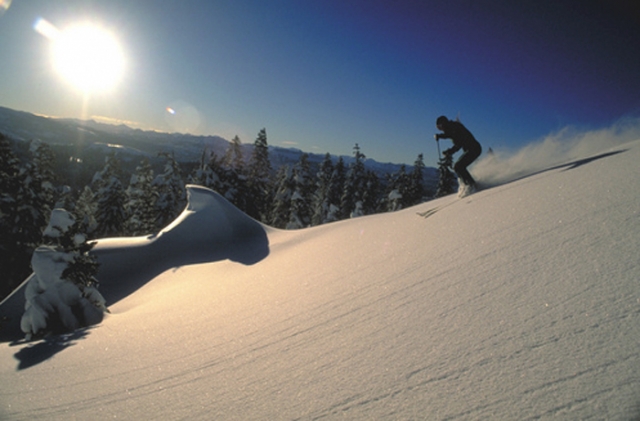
462,139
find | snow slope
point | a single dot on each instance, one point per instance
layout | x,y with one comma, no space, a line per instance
519,302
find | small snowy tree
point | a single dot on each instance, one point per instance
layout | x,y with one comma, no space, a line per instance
338,178
416,191
35,196
233,158
172,195
321,204
62,295
300,210
447,180
351,202
110,199
285,187
86,211
371,196
397,190
141,200
205,174
259,174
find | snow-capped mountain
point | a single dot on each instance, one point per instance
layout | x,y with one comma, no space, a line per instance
518,302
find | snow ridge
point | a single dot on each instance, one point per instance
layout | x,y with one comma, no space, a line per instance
210,229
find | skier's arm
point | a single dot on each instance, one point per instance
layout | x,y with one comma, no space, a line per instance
451,150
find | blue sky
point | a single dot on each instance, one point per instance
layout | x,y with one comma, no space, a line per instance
324,75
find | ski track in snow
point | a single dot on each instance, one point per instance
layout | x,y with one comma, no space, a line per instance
518,302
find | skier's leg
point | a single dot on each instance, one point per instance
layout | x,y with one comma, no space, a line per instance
460,168
461,165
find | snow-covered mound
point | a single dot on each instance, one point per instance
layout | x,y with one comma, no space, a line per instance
518,302
210,229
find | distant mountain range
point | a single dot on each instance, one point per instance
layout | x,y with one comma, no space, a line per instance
90,134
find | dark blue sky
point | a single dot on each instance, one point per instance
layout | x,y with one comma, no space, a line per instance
324,75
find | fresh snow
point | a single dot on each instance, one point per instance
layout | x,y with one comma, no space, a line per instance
518,302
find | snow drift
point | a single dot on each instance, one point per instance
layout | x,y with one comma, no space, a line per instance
210,229
518,302
567,145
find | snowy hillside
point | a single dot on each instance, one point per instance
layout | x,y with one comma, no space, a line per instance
519,302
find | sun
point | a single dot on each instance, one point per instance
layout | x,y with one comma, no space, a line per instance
89,57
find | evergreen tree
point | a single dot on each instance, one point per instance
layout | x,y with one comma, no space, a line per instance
9,191
447,180
141,201
236,189
338,179
416,191
172,195
43,162
204,175
259,174
351,203
321,204
397,190
35,197
284,189
233,157
14,252
86,212
110,199
62,295
65,199
300,211
371,196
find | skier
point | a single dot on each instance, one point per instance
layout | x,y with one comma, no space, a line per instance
462,139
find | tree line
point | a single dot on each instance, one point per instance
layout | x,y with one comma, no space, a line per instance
143,201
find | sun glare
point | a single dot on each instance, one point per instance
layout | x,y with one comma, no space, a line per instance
87,56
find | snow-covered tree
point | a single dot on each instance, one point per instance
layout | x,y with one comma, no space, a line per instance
371,193
351,203
447,179
141,201
205,173
15,252
42,163
397,190
416,191
321,204
338,178
62,295
300,211
10,185
259,174
35,196
110,199
85,209
233,158
65,199
285,187
172,195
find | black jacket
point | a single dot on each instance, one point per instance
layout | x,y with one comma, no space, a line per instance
460,136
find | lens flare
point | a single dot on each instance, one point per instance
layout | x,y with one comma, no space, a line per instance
4,6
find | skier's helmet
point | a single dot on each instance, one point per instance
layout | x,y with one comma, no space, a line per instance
441,121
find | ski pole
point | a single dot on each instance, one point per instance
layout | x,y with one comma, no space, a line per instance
439,154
